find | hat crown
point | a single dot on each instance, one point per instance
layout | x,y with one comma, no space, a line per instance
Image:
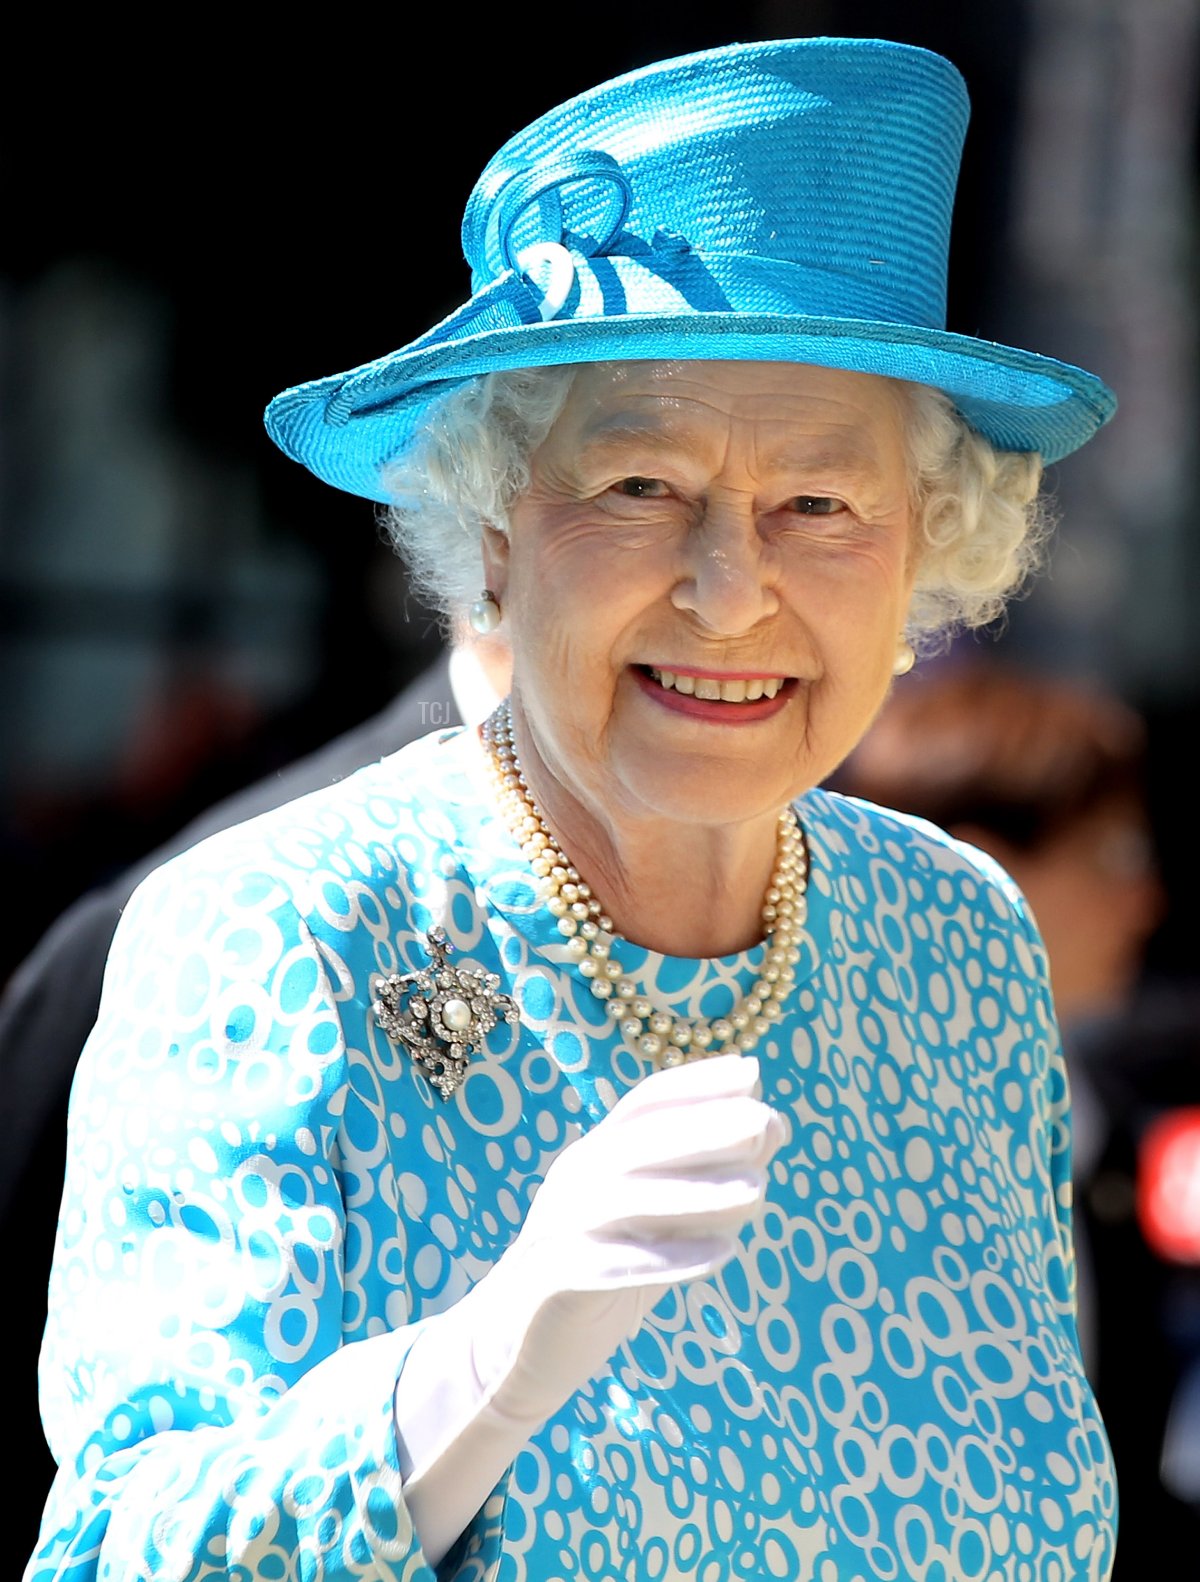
837,158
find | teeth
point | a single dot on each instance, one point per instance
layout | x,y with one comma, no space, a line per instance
724,691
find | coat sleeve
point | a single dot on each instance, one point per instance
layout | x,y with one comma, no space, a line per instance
1060,1149
1050,1137
1045,1096
208,1420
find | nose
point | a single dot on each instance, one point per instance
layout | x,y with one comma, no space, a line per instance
727,575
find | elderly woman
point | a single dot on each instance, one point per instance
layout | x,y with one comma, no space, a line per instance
794,1295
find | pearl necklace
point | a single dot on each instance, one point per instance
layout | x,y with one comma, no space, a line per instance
589,938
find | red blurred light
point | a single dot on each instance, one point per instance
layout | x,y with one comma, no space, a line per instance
1168,1187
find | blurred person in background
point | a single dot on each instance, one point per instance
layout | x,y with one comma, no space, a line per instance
1049,778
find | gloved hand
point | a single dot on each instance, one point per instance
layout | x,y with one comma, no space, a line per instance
657,1193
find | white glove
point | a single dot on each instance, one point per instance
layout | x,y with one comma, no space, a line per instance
657,1193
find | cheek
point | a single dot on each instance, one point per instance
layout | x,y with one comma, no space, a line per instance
614,556
854,606
588,583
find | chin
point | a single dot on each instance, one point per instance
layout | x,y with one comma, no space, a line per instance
702,790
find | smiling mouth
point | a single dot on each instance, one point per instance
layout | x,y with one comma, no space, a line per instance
717,689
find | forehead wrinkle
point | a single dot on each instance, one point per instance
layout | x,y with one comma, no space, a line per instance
844,445
609,432
822,455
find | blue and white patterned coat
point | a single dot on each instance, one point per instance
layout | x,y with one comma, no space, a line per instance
264,1197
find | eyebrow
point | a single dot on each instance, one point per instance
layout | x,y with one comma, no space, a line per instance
610,433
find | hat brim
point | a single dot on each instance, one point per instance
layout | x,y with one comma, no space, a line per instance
347,428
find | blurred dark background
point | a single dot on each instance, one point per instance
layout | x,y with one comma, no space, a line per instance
197,219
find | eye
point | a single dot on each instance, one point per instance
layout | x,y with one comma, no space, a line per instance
815,505
641,488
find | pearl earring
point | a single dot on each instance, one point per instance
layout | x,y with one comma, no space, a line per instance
905,659
484,615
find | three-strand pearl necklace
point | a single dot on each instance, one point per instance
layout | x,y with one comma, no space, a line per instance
589,939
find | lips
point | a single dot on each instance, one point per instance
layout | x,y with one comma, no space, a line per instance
722,689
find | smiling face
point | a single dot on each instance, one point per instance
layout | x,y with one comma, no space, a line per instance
704,585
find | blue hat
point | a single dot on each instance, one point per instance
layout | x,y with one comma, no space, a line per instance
780,202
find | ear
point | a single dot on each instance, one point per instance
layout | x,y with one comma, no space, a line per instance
494,546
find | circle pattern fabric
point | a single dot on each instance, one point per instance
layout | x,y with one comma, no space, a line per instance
264,1196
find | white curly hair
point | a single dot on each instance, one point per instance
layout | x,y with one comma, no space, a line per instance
981,524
